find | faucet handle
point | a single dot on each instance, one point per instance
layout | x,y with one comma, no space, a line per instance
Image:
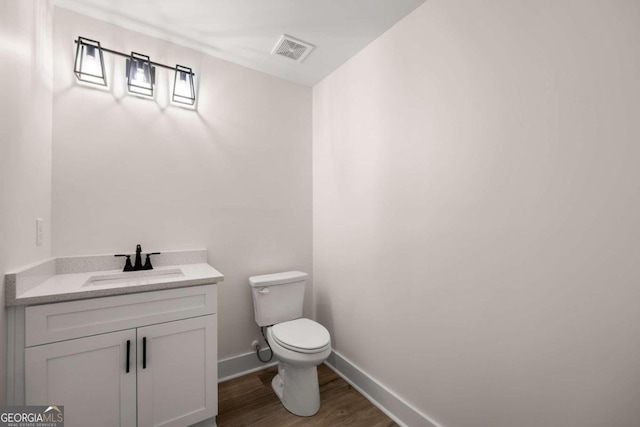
147,263
127,264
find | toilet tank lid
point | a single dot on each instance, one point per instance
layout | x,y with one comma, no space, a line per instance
277,278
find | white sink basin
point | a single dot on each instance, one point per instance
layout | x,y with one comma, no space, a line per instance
133,278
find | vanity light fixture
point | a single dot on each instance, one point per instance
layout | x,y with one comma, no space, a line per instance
183,91
140,71
89,64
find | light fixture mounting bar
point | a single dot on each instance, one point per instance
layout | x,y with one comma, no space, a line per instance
128,55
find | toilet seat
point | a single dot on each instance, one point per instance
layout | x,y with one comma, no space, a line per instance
301,335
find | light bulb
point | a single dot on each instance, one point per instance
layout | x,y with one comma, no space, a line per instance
182,87
90,64
140,77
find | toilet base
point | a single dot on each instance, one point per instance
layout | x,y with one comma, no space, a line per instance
297,388
277,385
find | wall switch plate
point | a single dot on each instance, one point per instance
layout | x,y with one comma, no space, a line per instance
39,231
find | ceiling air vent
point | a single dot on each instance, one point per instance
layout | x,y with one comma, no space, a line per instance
292,48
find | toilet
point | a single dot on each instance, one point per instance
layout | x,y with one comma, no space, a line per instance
299,344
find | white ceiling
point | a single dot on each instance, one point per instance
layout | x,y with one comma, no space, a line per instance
245,31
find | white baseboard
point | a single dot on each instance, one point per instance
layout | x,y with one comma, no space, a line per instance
243,364
387,401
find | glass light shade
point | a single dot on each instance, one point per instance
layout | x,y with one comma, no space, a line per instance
183,88
140,75
89,63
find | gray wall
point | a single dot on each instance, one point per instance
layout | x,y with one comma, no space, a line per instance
476,205
25,141
233,177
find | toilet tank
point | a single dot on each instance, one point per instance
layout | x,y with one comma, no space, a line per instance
277,297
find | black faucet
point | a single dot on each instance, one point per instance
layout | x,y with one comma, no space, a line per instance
138,262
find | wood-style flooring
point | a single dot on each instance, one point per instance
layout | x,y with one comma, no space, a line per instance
250,401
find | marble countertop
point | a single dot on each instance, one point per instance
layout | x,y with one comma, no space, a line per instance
73,278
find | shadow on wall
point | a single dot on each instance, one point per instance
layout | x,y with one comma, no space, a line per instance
324,314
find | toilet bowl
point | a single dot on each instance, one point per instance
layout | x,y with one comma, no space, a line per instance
296,384
299,344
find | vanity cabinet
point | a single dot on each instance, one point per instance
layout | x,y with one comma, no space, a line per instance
147,359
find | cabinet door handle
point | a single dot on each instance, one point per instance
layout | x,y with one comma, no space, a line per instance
128,353
144,353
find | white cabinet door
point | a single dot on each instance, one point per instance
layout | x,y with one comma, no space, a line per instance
177,381
88,376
